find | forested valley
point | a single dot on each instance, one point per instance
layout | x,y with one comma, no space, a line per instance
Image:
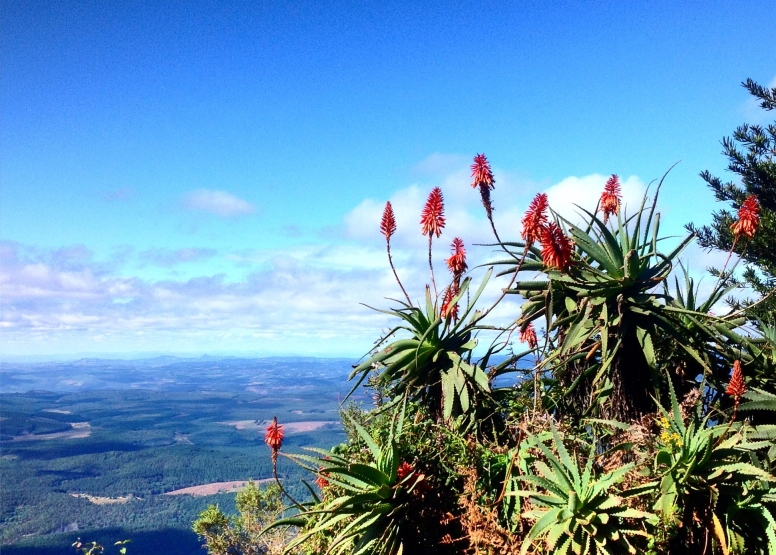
92,449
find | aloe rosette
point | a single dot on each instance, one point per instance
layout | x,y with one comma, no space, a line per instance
433,365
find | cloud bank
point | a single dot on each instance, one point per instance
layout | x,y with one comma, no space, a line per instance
218,203
304,299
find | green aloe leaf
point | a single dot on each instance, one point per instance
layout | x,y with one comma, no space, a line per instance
365,436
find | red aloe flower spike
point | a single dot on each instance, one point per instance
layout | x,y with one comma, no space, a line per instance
528,335
481,172
610,198
457,262
535,219
404,470
449,310
482,177
388,223
321,480
432,218
388,228
556,248
747,224
737,387
274,438
748,218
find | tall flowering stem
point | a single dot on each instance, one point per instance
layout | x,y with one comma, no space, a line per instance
528,335
557,250
432,221
737,387
457,262
535,223
388,228
482,179
274,440
747,224
448,309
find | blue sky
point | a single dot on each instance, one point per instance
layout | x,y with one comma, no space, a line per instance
195,177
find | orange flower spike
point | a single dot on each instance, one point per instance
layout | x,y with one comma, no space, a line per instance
737,387
274,438
448,309
556,248
457,262
610,198
321,480
432,218
404,470
528,335
482,177
388,223
535,219
748,218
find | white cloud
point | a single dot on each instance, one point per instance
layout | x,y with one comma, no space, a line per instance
566,196
219,203
309,293
304,299
464,214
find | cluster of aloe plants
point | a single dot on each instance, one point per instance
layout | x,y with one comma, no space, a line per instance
624,431
574,508
712,482
609,319
368,512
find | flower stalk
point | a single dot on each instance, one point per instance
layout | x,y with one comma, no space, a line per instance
736,388
388,228
747,224
482,179
432,221
274,440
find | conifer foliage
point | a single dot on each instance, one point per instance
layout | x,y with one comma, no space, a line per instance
751,154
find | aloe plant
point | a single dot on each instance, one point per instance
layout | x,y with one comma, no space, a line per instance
433,365
607,316
366,514
711,487
714,336
575,510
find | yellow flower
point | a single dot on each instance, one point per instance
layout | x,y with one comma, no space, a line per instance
668,437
